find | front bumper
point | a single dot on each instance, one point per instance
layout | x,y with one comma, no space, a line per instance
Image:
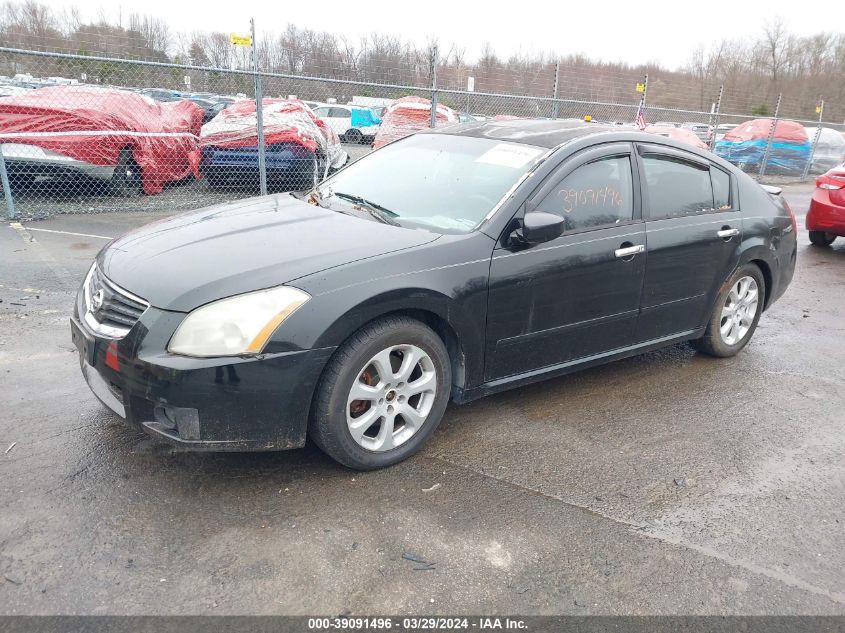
825,215
254,403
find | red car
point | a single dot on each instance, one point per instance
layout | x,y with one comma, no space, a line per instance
826,217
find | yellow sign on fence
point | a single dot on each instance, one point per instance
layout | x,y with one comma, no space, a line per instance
640,87
240,40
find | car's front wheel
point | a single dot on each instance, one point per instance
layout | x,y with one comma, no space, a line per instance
820,238
382,394
735,316
126,179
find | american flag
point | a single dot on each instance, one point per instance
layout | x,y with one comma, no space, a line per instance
640,121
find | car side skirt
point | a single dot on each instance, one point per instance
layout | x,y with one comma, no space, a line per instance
462,396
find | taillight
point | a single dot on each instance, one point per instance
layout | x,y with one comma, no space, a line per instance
830,182
791,217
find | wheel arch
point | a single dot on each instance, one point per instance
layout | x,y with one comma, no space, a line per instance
764,267
761,258
437,311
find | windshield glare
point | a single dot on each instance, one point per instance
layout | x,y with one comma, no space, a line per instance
435,181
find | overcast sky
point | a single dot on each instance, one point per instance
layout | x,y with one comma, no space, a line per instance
635,31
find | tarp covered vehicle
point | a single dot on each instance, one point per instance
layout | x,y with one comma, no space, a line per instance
407,115
118,137
829,151
682,135
300,149
745,146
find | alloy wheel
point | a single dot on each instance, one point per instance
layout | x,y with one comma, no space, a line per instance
739,310
391,397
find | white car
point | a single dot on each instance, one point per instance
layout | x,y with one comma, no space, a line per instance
339,118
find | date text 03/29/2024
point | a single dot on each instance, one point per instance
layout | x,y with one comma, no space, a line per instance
425,623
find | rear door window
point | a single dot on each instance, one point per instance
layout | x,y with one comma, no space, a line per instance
676,188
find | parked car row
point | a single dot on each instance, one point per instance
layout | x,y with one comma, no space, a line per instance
126,142
146,147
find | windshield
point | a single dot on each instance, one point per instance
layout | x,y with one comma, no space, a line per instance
436,181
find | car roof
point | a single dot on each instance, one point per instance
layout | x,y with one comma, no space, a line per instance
538,132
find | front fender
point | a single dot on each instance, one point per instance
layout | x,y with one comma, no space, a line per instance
444,282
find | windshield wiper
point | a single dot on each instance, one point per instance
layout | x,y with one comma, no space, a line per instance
380,213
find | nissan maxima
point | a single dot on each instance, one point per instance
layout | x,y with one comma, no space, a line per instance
446,266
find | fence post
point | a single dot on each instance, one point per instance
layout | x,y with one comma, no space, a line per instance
639,117
259,114
7,190
714,117
555,105
433,122
815,142
771,138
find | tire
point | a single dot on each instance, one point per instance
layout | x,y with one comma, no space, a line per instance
214,180
303,176
820,238
353,136
126,179
715,341
391,423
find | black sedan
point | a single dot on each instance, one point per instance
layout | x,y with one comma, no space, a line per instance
448,265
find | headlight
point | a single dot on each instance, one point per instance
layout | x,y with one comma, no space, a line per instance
237,325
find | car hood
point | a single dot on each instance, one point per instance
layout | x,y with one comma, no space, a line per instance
194,258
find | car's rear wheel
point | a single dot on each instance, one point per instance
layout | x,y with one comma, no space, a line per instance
353,136
382,394
126,179
820,238
735,316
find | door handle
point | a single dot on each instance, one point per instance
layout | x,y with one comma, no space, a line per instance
727,233
629,251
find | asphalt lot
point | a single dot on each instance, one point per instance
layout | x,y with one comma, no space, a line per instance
666,483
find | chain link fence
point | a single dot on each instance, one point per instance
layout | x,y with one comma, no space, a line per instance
84,134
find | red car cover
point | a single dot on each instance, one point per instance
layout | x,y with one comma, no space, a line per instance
284,120
677,134
407,115
236,125
785,131
94,124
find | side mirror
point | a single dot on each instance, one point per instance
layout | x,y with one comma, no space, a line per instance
539,226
